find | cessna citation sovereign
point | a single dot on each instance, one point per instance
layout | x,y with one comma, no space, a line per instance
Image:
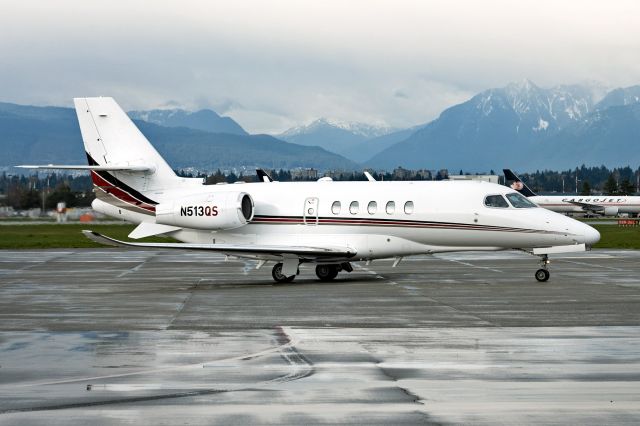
606,205
330,224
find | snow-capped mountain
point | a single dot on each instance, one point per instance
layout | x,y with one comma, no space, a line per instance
32,134
496,128
537,109
608,136
620,97
361,129
335,136
205,119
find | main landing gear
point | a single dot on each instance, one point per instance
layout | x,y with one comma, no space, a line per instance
278,276
328,271
543,274
324,271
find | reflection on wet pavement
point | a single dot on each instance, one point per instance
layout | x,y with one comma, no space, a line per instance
111,336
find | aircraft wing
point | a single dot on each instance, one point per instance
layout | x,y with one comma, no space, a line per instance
254,251
588,206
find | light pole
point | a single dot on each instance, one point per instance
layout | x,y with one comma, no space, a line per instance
44,195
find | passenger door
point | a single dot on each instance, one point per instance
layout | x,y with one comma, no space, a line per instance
310,214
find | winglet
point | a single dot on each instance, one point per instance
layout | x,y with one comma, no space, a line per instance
101,239
518,184
369,177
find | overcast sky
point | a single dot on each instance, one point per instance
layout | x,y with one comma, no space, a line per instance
274,64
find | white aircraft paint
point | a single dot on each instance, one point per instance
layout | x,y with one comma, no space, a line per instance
328,223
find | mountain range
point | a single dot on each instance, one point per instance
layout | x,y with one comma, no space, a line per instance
521,126
44,135
342,137
525,127
204,119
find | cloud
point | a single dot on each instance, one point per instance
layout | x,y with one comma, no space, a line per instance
274,63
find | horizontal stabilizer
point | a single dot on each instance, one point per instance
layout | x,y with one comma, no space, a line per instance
148,229
249,250
560,249
111,168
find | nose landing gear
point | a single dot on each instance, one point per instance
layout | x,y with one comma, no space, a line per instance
543,274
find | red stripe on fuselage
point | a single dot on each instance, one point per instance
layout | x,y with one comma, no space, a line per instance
120,194
387,223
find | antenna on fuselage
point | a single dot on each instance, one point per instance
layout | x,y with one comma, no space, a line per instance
369,177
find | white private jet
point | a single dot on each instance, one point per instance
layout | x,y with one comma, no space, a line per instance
327,223
606,205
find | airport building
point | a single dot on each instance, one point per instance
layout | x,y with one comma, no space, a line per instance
485,178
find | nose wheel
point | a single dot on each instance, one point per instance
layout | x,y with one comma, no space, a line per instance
543,274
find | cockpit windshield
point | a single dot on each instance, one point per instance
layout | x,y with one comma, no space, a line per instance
496,201
519,201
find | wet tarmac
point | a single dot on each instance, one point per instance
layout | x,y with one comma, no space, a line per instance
116,336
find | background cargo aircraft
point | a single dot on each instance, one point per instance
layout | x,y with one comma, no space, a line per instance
607,205
326,223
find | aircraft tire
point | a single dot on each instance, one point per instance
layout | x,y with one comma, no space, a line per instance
277,275
326,272
542,275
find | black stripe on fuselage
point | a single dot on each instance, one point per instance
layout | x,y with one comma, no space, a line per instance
118,183
294,220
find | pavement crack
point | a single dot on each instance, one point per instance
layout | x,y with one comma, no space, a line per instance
137,267
184,303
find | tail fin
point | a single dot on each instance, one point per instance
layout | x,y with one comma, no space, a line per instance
111,139
518,184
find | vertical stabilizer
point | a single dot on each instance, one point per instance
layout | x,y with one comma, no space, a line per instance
110,138
518,184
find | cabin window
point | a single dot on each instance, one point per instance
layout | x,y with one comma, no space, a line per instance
391,207
519,202
335,207
408,207
495,201
372,207
354,207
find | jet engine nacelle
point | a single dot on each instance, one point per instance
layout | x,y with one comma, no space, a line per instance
610,211
216,211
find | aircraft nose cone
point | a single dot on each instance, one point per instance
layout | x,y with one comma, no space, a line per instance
591,235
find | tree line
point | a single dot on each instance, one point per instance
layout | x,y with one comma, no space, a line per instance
35,191
26,192
585,181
